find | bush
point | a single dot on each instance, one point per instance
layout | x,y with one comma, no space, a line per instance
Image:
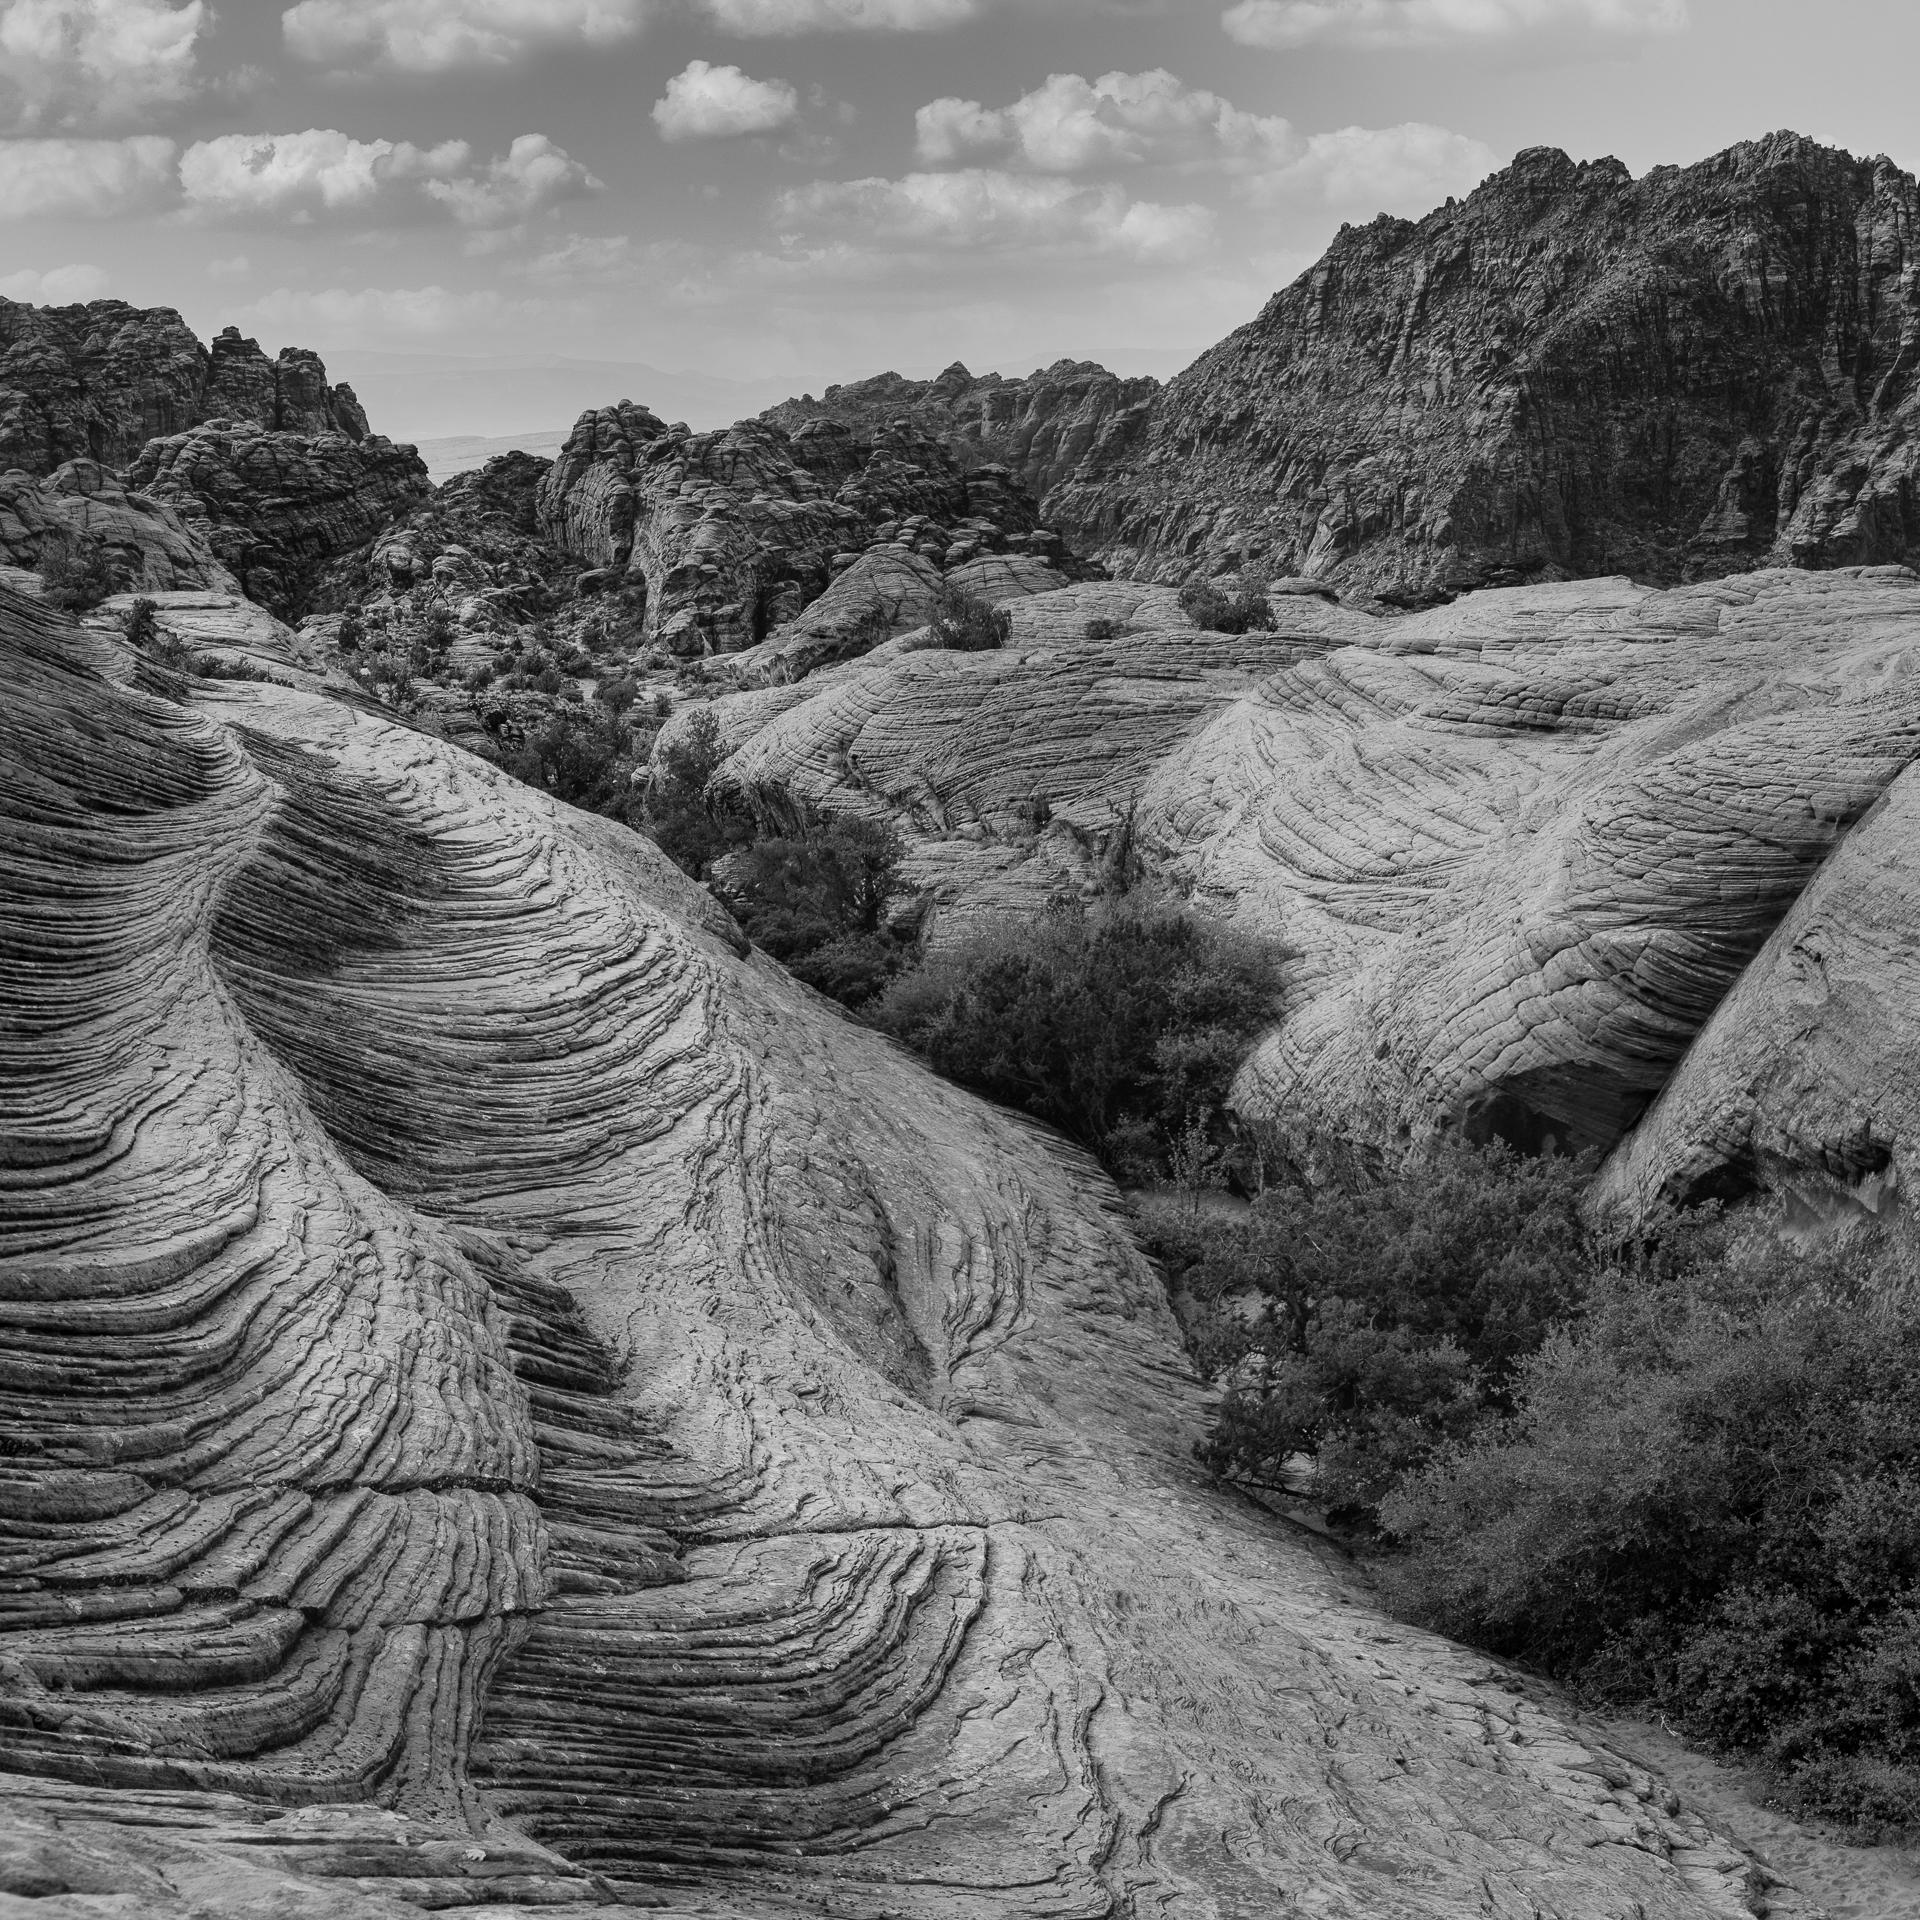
1120,1025
675,811
1245,610
1707,1496
1101,628
816,900
963,623
580,755
75,572
1364,1324
351,632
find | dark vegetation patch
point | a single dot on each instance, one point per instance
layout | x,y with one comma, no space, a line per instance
1214,609
964,623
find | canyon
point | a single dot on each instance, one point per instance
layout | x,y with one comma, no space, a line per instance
514,1403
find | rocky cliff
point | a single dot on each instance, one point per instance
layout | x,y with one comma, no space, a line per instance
512,1404
1041,428
97,382
1526,853
732,535
1570,372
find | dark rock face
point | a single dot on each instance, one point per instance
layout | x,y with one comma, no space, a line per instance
97,382
1040,428
1570,372
278,507
734,533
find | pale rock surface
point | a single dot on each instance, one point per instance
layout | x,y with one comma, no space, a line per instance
511,1405
147,544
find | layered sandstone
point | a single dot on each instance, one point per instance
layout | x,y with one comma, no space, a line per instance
97,382
514,1404
1568,373
731,536
1519,850
146,545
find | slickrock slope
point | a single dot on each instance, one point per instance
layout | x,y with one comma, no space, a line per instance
510,1404
1519,849
278,507
1041,427
732,535
1570,372
146,544
97,382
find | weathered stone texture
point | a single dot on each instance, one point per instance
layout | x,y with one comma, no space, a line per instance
513,1404
147,545
1570,372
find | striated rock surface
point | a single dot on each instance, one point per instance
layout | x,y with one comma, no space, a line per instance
513,1405
1041,428
732,535
97,382
279,507
1520,850
1570,372
146,544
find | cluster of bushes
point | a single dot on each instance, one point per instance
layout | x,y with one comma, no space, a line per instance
76,573
964,623
1677,1470
1246,609
1121,1023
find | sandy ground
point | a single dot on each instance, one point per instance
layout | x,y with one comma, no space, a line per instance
1854,1883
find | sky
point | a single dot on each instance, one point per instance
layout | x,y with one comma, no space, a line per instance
485,211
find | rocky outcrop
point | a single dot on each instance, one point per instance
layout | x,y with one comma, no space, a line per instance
1040,428
1570,372
732,535
145,544
279,507
97,382
510,1403
1522,851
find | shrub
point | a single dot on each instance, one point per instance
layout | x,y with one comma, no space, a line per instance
1245,610
1364,1324
964,623
351,632
1705,1496
617,696
675,812
1118,1025
75,572
143,626
580,755
1101,628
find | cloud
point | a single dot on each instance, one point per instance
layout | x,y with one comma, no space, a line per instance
709,103
440,36
57,287
766,17
83,179
91,62
1284,24
1075,125
322,173
984,209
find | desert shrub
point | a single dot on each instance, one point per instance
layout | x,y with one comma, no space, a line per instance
75,572
1705,1496
617,695
964,623
351,632
579,754
816,900
1101,628
1364,1323
675,811
1245,610
1119,1024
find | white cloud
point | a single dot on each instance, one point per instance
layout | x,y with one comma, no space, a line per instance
1282,24
324,173
234,267
84,62
986,209
439,36
57,287
707,103
755,17
1075,125
83,179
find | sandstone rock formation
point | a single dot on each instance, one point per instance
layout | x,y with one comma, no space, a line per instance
1519,849
97,382
1570,372
145,543
511,1404
278,507
733,535
1041,428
